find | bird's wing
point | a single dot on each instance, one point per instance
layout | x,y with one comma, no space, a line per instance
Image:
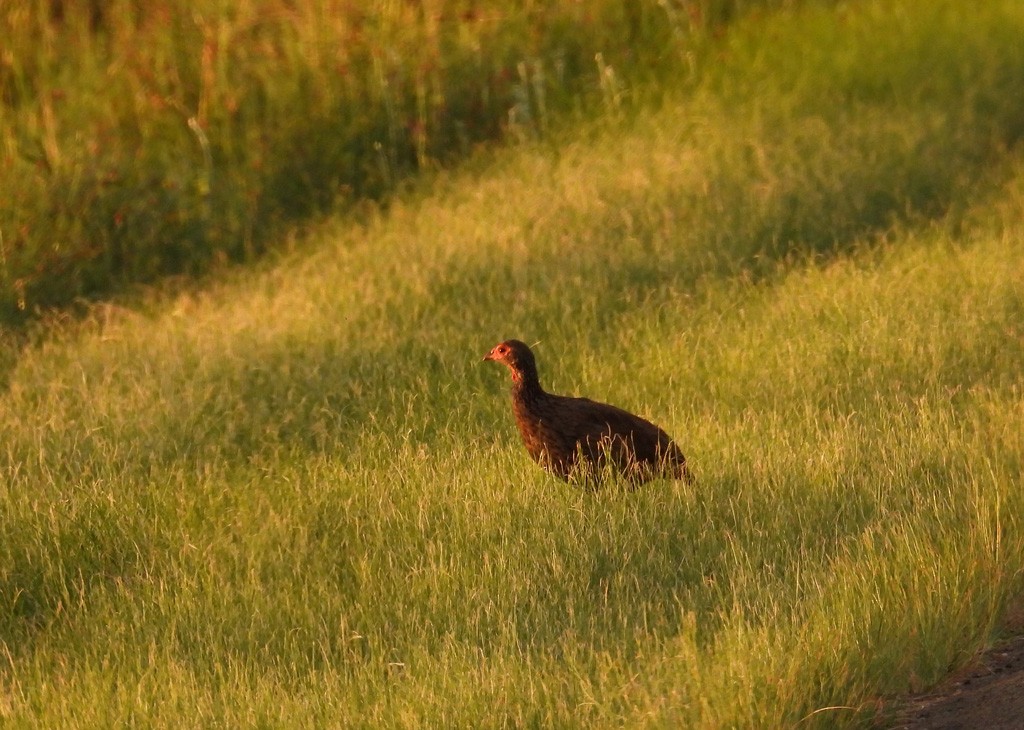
587,419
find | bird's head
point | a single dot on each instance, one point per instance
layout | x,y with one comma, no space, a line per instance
517,357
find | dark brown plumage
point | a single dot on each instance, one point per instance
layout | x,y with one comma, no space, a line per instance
578,437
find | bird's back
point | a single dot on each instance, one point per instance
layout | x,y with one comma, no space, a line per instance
559,430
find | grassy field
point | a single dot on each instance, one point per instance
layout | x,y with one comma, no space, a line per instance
295,496
142,139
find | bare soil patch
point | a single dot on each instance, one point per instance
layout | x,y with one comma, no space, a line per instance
988,694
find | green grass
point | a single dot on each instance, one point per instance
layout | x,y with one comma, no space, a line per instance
141,141
295,497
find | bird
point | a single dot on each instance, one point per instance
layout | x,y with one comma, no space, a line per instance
578,439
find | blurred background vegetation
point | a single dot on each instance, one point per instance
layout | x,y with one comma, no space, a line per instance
146,139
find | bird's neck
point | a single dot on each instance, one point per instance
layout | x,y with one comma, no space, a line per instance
526,386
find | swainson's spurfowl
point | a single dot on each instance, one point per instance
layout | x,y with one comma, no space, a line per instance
577,438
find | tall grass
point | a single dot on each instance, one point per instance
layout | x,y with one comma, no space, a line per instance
295,497
141,140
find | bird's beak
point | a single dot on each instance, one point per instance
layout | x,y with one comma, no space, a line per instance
488,356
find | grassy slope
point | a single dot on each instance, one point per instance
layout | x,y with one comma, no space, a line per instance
297,498
135,145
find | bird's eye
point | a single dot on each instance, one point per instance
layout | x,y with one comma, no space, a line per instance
502,350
